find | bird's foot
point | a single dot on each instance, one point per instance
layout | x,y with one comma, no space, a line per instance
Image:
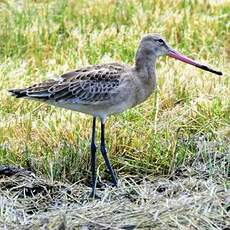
114,181
115,184
93,195
111,183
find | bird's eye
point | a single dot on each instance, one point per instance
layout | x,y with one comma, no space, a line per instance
160,40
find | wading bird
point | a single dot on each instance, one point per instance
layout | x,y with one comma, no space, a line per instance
106,89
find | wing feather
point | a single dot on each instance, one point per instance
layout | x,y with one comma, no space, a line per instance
92,84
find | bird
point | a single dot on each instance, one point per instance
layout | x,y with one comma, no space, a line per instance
105,89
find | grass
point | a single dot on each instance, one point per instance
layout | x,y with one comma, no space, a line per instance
42,39
185,123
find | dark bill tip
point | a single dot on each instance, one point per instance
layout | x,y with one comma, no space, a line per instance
181,57
204,67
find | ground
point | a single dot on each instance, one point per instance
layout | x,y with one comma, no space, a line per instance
194,196
171,152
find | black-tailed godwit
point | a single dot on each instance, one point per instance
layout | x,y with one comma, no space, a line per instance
106,89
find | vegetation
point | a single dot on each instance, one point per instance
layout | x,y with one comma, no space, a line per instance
189,199
186,120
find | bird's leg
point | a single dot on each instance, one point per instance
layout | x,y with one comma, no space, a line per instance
93,159
104,154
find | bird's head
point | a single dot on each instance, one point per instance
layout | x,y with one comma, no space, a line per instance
157,46
154,44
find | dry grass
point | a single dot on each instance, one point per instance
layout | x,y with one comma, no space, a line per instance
195,196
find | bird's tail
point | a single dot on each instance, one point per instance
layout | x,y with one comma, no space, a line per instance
18,92
38,91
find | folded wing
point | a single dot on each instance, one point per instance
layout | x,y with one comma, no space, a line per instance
92,84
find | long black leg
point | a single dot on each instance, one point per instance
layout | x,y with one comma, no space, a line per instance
104,154
93,159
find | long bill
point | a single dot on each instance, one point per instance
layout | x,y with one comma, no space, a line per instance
181,57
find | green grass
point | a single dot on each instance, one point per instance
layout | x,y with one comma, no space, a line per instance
41,39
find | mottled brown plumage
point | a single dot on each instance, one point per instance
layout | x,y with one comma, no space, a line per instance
90,84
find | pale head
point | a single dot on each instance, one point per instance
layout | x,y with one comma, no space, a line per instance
155,45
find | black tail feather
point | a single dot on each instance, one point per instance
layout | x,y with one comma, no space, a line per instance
18,92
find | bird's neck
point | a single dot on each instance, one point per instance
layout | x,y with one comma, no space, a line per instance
145,75
145,65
